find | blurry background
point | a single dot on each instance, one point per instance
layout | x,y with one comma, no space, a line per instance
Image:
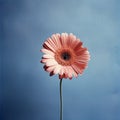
28,93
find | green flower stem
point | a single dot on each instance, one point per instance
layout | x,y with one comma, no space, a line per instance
61,106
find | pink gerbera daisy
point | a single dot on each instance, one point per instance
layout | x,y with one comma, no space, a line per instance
64,55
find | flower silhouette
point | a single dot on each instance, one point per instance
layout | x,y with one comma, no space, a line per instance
64,55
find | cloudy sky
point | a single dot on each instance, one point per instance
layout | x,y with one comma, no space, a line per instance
28,91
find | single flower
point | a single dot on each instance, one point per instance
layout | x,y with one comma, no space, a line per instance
64,55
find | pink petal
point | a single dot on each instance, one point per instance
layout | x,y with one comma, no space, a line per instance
47,51
65,72
61,71
72,40
73,71
57,69
51,62
78,67
44,60
70,72
84,58
78,46
81,51
52,43
56,40
50,68
63,40
46,44
48,56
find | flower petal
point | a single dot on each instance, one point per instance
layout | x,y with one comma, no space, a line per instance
48,46
83,58
47,51
51,62
78,46
72,39
56,40
73,71
61,71
78,67
81,51
57,69
48,56
70,72
63,40
52,43
50,68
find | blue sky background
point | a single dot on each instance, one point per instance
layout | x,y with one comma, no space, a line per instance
28,93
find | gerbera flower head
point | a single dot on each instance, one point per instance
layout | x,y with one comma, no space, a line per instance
64,55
